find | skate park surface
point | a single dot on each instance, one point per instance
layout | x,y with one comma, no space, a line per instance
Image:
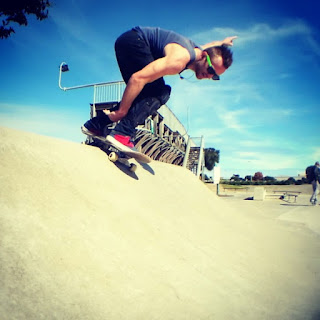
81,238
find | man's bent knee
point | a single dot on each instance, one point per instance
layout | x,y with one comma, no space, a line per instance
165,94
145,108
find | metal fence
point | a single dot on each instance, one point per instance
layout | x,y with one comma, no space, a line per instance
111,91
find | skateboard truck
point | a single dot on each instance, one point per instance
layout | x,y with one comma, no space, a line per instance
115,155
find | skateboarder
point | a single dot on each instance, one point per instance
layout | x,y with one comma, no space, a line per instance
145,55
315,180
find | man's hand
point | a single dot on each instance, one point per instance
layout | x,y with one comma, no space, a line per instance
114,116
229,41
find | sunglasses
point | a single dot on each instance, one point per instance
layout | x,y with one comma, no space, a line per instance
211,70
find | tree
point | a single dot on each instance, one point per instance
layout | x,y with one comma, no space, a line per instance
235,177
269,179
211,157
258,176
16,11
291,180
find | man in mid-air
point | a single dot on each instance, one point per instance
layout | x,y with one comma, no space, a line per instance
145,55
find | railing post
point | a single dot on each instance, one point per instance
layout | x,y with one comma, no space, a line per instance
186,156
201,157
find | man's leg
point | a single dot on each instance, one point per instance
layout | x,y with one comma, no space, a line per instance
316,190
141,109
313,198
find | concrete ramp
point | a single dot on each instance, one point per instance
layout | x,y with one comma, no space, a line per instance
82,239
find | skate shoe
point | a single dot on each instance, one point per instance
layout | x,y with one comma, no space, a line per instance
96,126
120,141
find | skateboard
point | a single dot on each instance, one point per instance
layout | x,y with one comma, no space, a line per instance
115,154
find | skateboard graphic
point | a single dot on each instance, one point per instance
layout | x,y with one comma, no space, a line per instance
116,154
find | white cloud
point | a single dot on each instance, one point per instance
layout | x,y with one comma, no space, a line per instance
269,163
255,143
231,119
42,120
71,23
81,40
206,102
260,32
212,136
316,154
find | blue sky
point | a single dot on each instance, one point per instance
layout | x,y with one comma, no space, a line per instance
263,115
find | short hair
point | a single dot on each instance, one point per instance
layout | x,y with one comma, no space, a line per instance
317,163
222,51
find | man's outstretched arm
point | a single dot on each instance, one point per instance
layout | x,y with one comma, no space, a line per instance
227,41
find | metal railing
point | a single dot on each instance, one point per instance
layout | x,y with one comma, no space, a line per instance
111,91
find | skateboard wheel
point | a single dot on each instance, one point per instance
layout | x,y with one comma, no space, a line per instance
133,167
113,157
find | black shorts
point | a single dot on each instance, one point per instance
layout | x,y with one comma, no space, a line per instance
133,54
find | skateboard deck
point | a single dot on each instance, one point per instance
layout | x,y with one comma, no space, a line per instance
116,154
130,153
